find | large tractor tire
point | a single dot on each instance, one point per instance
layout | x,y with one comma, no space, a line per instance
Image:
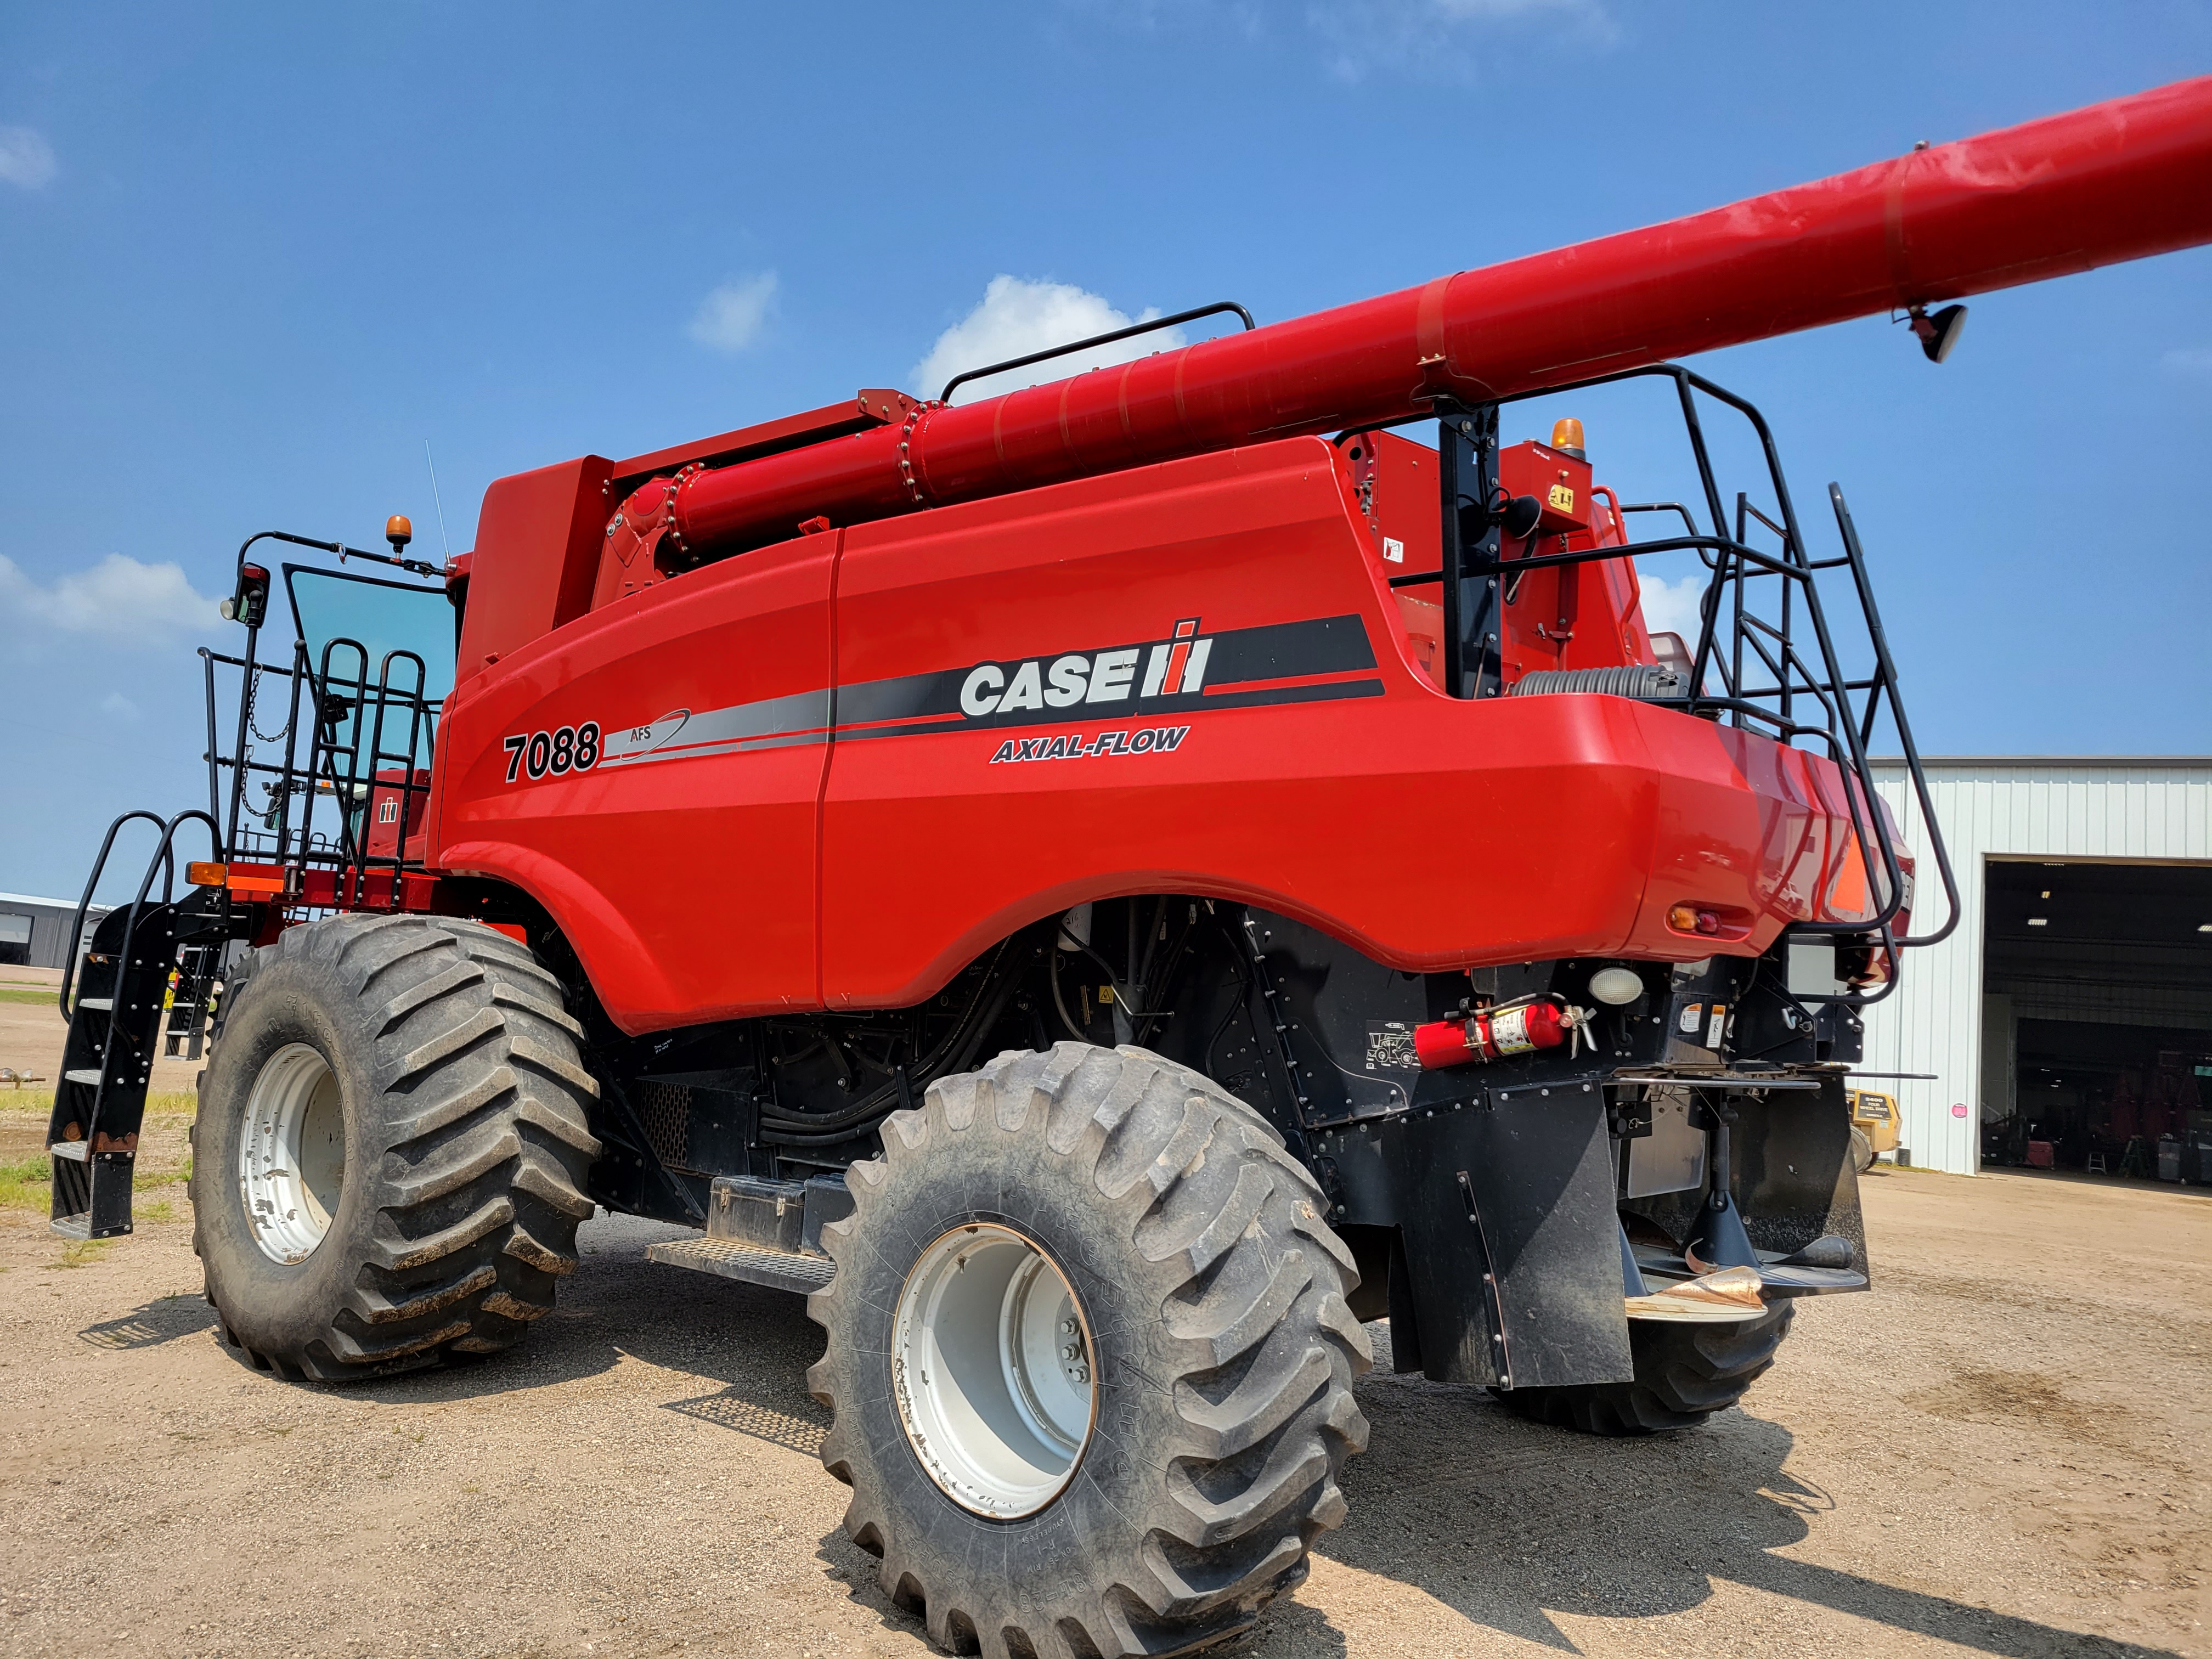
389,1160
1861,1150
1683,1374
1090,1358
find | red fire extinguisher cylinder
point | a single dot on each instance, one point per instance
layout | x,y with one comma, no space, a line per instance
1483,1036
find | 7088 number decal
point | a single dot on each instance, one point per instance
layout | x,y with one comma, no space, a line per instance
542,754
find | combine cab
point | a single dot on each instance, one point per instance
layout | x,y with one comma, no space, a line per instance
1111,890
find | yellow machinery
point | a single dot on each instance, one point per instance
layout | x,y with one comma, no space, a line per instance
1873,1125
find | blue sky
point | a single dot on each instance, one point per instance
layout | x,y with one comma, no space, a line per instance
252,259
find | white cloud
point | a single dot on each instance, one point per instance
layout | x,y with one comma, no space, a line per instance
117,598
25,159
1016,318
117,705
2189,363
1672,607
1431,39
731,317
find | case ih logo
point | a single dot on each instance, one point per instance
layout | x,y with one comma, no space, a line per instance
1173,667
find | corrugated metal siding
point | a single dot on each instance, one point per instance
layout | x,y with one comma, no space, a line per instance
2159,809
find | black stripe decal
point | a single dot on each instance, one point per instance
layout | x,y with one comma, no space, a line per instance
1239,664
1107,715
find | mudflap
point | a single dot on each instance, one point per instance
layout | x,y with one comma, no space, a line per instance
1510,1233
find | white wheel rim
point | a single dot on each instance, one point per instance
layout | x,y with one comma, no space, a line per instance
291,1154
991,1365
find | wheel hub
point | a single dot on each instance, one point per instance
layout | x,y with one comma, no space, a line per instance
291,1153
992,1368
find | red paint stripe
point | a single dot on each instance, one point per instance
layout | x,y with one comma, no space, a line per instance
1291,681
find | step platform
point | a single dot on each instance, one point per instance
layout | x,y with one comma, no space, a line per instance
91,1190
798,1271
765,1232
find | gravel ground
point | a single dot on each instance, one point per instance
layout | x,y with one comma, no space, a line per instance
2003,1450
33,1031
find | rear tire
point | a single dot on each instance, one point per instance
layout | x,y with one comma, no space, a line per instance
389,1160
1215,1349
1861,1150
1683,1374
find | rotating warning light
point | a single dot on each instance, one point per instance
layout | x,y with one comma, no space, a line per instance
1567,437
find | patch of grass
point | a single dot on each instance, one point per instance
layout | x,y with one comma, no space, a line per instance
172,1102
17,994
160,1210
84,1253
24,1184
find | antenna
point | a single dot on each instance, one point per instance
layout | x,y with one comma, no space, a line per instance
432,465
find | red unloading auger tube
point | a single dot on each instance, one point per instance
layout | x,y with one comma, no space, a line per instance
2116,181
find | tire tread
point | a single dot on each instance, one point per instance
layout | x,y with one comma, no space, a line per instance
1263,1412
480,1104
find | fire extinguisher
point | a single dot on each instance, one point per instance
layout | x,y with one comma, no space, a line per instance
1488,1034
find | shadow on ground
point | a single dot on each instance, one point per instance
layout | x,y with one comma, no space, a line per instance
151,1323
1518,1521
1504,1521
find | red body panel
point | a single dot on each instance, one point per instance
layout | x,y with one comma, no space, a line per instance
688,889
536,557
1319,773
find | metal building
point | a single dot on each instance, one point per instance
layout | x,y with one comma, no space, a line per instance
34,933
2074,1003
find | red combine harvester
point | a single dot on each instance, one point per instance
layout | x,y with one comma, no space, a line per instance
1108,888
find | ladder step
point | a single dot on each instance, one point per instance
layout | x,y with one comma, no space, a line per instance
104,1005
78,1151
780,1270
73,1227
90,1076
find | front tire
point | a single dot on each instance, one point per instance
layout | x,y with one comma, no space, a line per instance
1180,1448
389,1159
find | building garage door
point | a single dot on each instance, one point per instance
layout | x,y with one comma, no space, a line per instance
2096,1014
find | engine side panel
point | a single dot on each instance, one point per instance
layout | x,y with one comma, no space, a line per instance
1189,680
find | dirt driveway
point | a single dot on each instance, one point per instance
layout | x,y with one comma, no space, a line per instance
33,1031
2004,1451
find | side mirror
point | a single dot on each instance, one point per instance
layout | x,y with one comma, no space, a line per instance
250,603
1938,331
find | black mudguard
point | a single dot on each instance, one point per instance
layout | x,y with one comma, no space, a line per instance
1511,1242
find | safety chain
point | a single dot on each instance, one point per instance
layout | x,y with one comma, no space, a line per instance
253,702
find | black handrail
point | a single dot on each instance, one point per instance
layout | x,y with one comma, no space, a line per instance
339,692
413,566
92,882
1145,327
1844,731
162,856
